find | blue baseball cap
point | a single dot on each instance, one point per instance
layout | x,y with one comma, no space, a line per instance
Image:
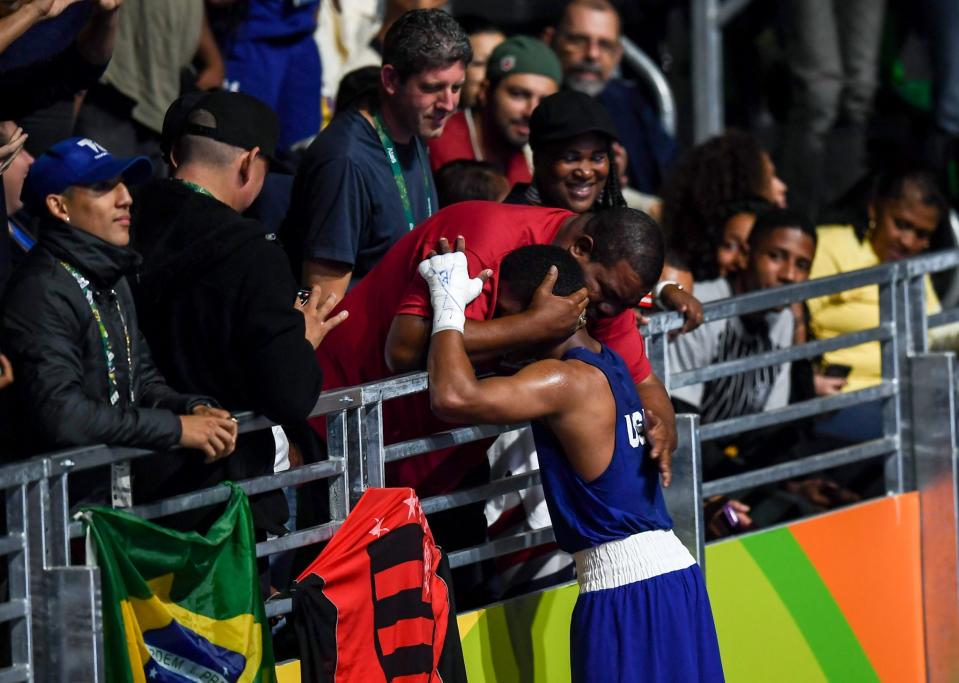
77,161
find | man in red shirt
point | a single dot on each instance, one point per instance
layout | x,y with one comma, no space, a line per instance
391,319
520,72
391,315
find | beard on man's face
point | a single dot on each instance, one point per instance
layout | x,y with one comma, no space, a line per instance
586,78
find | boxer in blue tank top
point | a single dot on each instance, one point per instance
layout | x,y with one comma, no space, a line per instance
642,613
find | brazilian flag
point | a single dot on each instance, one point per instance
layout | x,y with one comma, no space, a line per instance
181,607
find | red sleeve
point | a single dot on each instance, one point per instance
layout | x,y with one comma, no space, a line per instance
416,298
621,335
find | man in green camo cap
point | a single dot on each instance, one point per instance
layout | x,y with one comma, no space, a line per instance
520,72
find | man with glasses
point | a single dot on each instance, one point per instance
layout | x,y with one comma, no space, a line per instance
587,40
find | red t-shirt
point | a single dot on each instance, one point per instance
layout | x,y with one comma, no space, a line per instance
455,144
354,352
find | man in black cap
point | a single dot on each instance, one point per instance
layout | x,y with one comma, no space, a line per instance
211,275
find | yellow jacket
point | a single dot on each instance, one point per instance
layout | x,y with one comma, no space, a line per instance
840,251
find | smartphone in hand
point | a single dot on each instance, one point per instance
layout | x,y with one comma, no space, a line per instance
837,370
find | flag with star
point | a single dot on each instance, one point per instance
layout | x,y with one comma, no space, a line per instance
181,607
376,605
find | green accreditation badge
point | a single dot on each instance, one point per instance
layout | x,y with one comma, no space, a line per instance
390,149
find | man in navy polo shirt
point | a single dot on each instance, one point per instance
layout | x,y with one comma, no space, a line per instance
365,181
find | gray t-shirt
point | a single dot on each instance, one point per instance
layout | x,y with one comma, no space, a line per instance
155,40
723,340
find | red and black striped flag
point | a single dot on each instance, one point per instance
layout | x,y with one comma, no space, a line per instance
376,605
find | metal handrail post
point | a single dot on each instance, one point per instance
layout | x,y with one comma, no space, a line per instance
889,313
19,585
365,455
937,477
917,339
64,602
353,450
39,558
914,341
339,487
707,69
709,17
684,496
651,73
658,354
59,523
373,450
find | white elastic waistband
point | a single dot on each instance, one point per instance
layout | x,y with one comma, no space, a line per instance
637,558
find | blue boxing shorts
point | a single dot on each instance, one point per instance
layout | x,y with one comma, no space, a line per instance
642,615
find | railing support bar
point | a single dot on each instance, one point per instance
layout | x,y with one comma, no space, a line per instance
937,474
684,497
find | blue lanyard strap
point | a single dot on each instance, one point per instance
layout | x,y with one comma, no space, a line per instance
390,149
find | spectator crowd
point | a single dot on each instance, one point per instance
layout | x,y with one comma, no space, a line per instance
219,206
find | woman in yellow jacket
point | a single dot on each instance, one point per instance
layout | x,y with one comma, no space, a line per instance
905,208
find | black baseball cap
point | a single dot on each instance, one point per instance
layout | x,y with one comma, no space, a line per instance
175,119
567,114
241,120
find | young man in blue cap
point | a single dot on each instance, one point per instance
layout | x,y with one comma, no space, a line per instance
69,325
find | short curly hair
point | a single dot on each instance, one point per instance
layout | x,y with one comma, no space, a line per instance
425,39
724,169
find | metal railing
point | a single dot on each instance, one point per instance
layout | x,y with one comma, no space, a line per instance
708,18
53,607
656,80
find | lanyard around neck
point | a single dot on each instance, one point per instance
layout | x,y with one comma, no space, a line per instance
121,482
199,189
112,380
390,149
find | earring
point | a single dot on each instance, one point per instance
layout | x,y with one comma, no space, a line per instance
871,227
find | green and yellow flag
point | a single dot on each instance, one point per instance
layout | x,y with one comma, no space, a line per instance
181,607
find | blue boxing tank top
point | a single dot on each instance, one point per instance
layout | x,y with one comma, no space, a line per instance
626,498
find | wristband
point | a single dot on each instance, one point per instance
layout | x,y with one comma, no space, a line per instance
658,291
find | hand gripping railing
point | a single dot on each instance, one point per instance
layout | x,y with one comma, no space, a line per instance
53,608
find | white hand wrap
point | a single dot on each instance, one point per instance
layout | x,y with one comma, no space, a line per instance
451,289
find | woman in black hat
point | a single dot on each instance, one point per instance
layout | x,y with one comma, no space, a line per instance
572,136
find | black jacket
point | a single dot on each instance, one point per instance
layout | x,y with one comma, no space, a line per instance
216,296
61,393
